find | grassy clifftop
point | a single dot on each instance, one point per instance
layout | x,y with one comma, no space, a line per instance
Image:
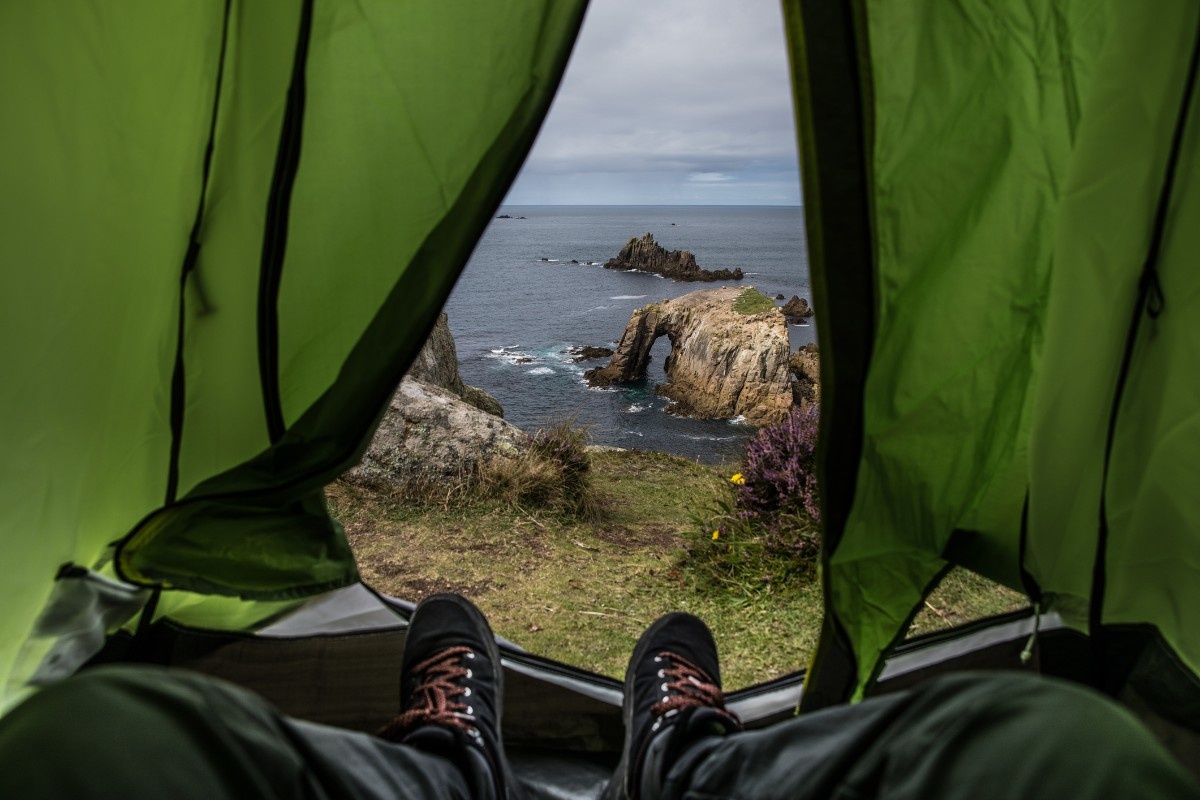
583,591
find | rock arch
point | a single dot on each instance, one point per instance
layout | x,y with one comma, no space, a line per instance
723,363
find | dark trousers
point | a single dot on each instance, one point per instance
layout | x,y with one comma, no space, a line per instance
143,732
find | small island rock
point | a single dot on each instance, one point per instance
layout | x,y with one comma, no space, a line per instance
647,255
796,310
590,353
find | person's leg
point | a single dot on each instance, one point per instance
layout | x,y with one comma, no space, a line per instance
150,732
970,735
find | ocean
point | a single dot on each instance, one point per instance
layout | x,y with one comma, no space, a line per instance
521,305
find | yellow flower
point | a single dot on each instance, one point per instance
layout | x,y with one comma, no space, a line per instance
716,535
738,478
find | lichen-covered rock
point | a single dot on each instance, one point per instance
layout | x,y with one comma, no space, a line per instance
723,364
429,435
437,365
647,255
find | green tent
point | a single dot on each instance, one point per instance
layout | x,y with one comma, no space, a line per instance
228,227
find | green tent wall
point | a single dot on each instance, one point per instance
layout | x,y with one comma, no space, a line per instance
228,227
985,186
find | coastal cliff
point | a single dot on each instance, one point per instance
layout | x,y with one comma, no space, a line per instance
647,255
437,365
724,362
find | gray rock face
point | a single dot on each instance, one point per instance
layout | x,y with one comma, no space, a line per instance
429,435
804,366
437,365
723,363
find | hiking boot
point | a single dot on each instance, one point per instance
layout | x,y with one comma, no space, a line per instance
672,700
451,693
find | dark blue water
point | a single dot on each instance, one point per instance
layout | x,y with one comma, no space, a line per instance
514,317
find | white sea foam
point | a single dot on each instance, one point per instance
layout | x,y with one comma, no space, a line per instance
738,420
636,409
540,371
626,297
511,355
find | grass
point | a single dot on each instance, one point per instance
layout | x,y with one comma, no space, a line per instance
583,591
752,301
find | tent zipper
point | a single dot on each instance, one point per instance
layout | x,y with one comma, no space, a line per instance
275,234
190,259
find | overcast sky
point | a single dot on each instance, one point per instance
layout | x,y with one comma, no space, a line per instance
670,102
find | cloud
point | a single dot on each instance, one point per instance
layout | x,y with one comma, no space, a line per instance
661,96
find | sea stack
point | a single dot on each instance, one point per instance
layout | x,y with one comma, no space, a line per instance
647,255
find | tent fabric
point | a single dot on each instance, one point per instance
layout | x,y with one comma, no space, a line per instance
1010,164
228,229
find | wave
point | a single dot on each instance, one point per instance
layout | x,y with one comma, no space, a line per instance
740,419
710,438
510,355
625,297
636,409
540,371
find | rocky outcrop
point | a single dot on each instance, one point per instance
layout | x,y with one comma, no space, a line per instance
429,436
796,310
589,353
723,363
647,255
804,369
437,365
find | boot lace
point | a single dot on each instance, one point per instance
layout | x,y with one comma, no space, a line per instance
436,695
686,686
